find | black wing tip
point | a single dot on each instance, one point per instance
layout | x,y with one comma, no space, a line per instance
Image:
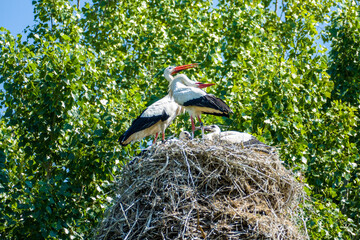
223,114
228,112
221,104
211,101
122,139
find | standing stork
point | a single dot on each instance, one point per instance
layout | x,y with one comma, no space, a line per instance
158,116
154,119
194,100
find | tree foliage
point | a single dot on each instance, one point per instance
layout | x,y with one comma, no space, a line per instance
72,86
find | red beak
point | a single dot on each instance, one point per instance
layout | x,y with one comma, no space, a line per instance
183,67
204,85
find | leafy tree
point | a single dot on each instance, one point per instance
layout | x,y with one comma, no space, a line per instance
335,142
344,66
71,88
59,109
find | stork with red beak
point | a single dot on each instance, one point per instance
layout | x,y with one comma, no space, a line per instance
194,100
158,116
154,119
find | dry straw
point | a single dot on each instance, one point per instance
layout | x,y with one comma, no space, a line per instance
205,190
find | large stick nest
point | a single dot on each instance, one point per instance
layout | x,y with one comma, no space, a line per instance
195,190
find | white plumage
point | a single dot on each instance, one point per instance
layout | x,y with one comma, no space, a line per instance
229,136
196,101
154,119
184,136
158,116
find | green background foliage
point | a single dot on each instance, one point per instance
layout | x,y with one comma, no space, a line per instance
73,84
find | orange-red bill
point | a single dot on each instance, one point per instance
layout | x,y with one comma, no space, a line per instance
183,67
204,85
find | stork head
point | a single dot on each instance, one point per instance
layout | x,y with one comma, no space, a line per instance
212,128
169,71
184,136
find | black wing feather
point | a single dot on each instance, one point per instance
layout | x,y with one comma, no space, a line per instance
210,101
142,123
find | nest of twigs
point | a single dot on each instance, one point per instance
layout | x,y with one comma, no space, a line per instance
196,190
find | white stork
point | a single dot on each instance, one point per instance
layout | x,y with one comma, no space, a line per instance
157,117
154,119
194,100
230,136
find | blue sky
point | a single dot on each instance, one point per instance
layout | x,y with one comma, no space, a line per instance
15,15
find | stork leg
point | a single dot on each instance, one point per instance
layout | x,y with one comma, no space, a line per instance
163,136
202,127
192,127
156,136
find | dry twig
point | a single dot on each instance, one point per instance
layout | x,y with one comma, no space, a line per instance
238,193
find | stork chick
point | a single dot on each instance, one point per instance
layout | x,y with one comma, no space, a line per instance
230,136
184,136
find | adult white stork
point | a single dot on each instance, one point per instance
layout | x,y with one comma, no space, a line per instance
194,100
230,136
154,119
158,116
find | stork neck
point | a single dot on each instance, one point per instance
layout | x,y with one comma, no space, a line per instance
215,133
176,83
169,77
212,136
